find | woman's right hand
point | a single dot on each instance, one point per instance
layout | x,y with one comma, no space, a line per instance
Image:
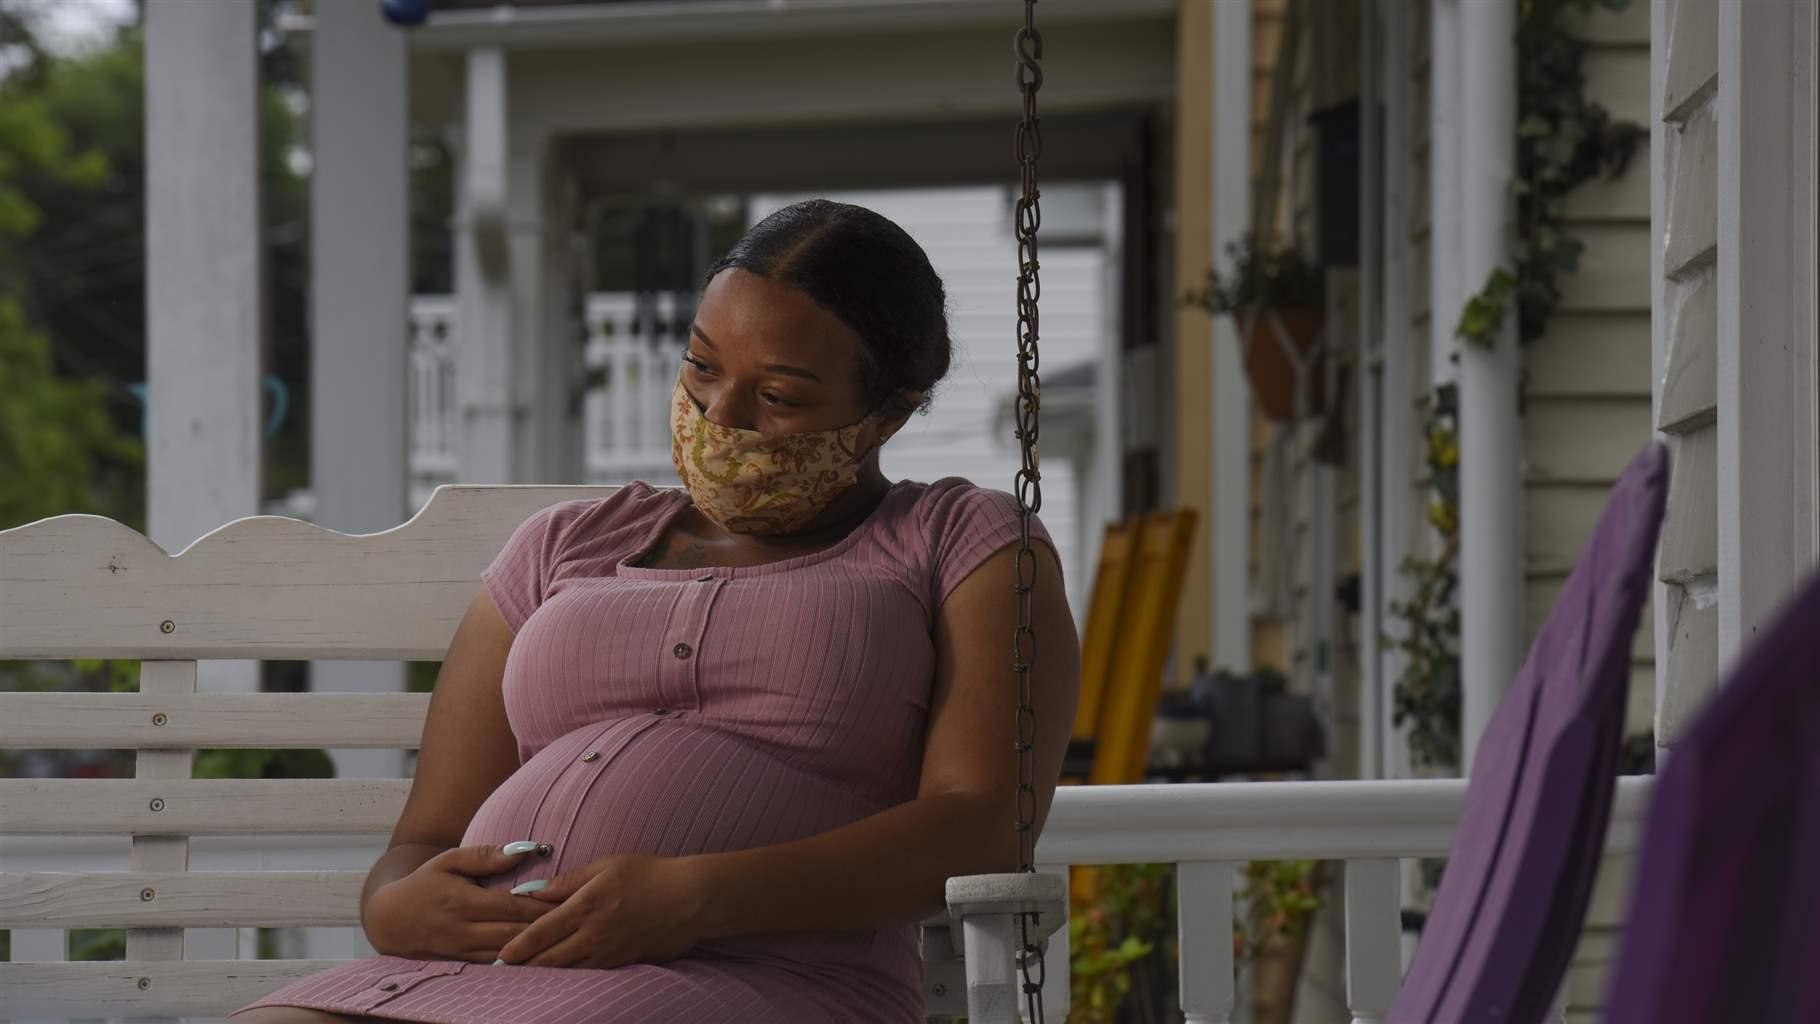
439,911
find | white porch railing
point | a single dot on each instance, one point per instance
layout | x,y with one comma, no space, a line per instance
1207,830
625,414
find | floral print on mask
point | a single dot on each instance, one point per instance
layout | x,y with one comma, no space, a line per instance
755,483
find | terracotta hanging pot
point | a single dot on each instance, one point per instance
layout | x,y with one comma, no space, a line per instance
1272,371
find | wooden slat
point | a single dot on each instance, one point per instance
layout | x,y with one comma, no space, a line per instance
180,899
122,721
163,853
80,586
180,988
201,806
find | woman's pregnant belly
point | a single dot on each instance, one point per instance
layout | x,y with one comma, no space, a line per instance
666,785
673,786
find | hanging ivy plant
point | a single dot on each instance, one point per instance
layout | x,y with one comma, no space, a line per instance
1564,140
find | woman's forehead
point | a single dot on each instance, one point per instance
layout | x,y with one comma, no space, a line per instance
745,316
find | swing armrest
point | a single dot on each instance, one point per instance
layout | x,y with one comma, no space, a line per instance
987,908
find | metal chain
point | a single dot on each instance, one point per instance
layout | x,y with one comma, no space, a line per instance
1029,46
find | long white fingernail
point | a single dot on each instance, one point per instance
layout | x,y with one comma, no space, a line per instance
521,846
496,963
535,885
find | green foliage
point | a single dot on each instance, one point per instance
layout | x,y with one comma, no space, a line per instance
1279,900
1277,278
59,452
97,943
1484,312
1133,917
1564,140
420,676
262,764
1426,697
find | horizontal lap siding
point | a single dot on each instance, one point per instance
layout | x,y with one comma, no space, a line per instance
1589,413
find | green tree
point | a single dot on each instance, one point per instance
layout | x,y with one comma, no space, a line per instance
59,451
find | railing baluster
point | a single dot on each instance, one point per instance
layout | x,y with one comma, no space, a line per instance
1374,958
1204,916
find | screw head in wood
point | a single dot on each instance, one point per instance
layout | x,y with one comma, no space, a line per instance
147,893
159,718
144,983
167,626
157,803
939,990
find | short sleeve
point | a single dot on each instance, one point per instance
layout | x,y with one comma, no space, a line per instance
517,575
968,525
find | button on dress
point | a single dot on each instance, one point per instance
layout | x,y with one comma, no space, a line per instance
687,711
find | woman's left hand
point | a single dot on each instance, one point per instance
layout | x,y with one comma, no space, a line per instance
622,909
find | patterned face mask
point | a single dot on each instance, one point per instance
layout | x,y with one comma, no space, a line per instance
748,482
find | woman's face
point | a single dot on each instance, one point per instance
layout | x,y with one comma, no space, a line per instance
763,356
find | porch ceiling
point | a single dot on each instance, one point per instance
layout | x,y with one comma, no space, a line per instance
725,64
1084,146
565,23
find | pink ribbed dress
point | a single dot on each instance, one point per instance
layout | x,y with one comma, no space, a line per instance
681,711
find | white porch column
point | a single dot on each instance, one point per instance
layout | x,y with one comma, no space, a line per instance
359,269
1231,413
548,293
1491,472
204,324
489,414
518,291
1769,437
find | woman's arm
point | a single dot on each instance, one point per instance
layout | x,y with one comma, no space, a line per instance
894,865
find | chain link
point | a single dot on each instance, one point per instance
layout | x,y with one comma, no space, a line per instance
1029,46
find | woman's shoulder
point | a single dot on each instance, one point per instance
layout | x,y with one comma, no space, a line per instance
591,528
951,525
607,525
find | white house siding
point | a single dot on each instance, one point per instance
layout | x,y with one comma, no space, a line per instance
1589,413
967,233
1689,406
1588,390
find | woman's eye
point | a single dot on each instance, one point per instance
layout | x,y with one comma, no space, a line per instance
695,364
775,399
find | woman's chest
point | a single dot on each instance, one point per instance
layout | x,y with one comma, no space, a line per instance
773,655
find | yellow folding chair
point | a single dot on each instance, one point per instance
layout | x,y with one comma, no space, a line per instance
1135,679
1111,585
1126,683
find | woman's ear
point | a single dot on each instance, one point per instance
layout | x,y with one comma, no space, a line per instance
896,412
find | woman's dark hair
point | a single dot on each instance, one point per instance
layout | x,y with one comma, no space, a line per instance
861,267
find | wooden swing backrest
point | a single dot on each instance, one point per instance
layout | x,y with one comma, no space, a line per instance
259,588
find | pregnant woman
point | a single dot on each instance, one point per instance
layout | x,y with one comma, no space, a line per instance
708,754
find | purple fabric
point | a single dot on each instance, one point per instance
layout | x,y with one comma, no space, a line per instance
1725,916
1520,873
679,711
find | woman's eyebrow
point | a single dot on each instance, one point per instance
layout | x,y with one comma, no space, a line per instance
785,369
